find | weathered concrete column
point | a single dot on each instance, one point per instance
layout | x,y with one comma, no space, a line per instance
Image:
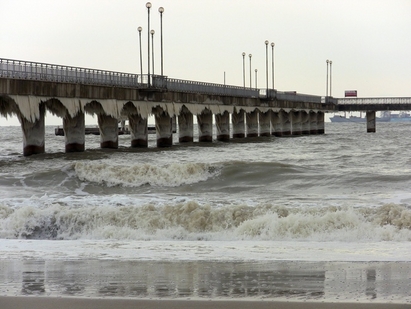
320,123
370,121
286,122
164,130
305,123
296,128
222,122
252,123
237,119
205,126
185,126
265,121
108,131
138,131
313,123
33,134
74,132
277,124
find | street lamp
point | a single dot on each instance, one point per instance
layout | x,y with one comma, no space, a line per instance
152,47
256,78
330,78
272,62
326,87
141,53
243,69
250,55
148,6
161,10
266,63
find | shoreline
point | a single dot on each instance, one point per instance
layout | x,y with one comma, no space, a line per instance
12,302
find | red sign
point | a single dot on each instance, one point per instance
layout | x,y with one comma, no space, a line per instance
350,93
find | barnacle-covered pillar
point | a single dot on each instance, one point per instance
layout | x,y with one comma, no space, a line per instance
108,131
164,128
205,126
252,123
74,132
137,126
237,119
33,133
185,126
222,122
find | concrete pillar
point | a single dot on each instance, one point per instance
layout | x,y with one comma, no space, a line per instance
370,121
313,123
138,128
286,123
33,134
305,123
265,121
108,131
252,123
222,122
237,119
205,126
296,128
320,123
185,126
164,130
277,124
74,132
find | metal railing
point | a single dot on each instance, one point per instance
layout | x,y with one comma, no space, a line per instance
364,101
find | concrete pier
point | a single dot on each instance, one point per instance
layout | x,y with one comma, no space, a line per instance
370,121
320,123
313,123
277,124
205,126
164,129
296,128
222,122
74,132
252,123
138,128
108,131
33,133
237,119
285,119
305,123
265,121
185,126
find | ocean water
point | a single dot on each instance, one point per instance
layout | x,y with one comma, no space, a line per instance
341,197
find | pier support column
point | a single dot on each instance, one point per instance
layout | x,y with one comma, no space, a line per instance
252,123
237,119
370,121
265,121
277,124
185,126
138,130
295,123
205,126
33,134
313,123
108,131
320,123
285,118
305,123
164,129
74,132
222,122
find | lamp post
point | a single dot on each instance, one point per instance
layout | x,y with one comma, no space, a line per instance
272,62
331,78
161,10
256,78
243,69
326,87
250,55
148,6
152,47
141,53
266,63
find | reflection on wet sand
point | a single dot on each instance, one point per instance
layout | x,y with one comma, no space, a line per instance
381,281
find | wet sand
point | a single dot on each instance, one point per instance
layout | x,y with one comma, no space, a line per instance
70,303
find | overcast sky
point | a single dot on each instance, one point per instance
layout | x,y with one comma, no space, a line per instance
368,41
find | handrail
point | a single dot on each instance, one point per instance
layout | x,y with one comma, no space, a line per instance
364,101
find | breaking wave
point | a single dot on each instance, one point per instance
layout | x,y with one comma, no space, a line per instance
192,221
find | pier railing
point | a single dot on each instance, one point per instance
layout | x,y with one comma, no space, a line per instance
365,101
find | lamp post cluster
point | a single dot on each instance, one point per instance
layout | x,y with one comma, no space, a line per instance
151,32
329,62
256,71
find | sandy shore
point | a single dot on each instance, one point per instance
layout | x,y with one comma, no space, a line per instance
80,303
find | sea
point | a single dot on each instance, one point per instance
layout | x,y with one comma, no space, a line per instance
315,217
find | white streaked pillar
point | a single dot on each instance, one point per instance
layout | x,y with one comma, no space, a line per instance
74,132
185,126
222,122
265,123
108,131
237,119
138,130
205,126
252,123
33,133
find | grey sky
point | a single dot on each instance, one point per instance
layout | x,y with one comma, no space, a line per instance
369,41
